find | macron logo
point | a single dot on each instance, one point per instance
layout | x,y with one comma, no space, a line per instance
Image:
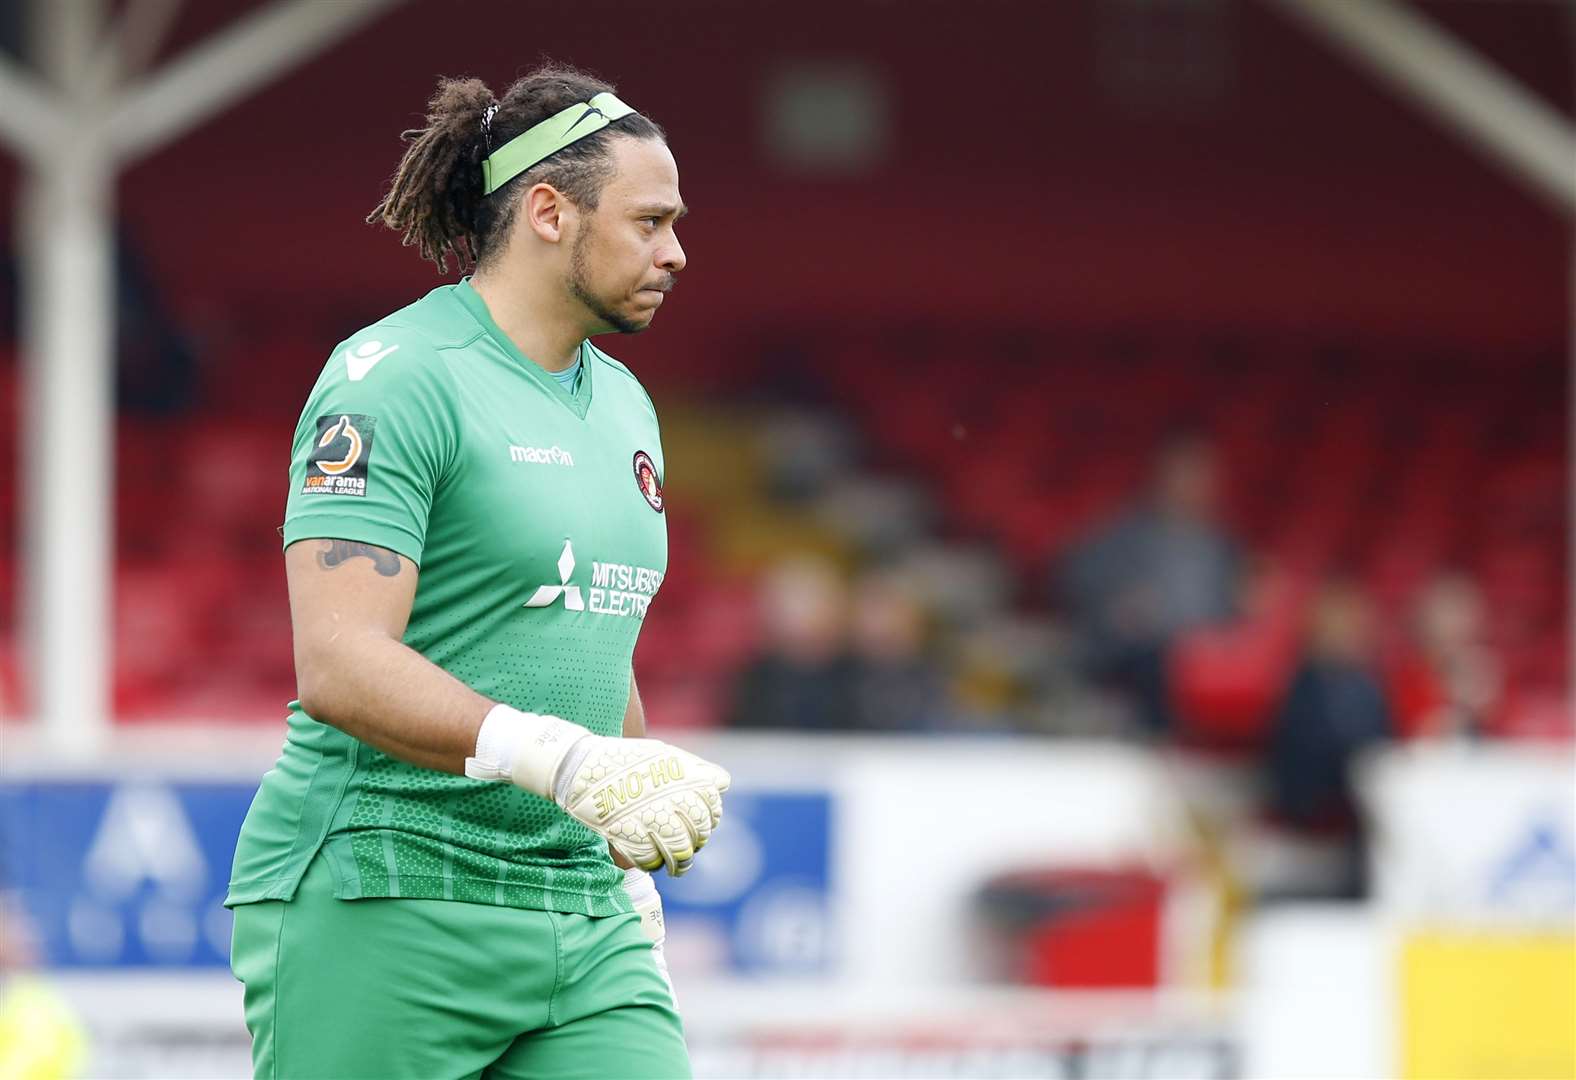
364,357
540,455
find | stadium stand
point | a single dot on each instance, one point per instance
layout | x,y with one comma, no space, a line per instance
1333,463
993,440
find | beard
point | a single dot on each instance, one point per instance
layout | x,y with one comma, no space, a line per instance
580,289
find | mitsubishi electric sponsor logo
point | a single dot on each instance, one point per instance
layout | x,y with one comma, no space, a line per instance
548,595
541,455
616,588
621,589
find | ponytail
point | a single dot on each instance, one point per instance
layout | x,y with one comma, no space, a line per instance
433,199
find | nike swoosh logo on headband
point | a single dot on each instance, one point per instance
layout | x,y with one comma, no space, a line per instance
589,110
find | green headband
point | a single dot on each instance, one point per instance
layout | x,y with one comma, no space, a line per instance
547,138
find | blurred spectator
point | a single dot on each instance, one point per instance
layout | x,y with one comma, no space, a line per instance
802,678
1332,711
1449,682
1166,566
894,682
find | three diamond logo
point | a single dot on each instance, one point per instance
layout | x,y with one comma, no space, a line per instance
547,595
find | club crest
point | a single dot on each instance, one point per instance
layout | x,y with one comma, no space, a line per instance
646,480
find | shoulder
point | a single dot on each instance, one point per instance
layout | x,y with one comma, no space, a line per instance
437,321
408,348
607,361
620,376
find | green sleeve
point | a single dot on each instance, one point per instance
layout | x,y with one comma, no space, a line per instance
371,452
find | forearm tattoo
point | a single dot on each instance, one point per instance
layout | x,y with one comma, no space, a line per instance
333,553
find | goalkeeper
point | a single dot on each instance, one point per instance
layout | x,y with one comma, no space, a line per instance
424,885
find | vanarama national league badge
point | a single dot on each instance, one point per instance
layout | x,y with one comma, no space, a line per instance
646,480
338,465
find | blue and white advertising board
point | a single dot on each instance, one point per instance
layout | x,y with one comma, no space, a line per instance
134,874
131,874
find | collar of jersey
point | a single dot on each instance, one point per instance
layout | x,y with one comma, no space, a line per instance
579,404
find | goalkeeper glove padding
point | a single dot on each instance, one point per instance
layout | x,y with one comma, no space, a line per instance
654,803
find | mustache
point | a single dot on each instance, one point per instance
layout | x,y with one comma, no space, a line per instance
665,285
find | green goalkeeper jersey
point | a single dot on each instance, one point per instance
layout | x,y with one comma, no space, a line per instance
535,515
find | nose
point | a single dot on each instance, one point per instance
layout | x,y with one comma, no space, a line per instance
671,257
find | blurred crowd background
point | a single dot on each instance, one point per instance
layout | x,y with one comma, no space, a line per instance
1136,372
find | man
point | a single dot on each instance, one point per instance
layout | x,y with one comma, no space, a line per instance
1165,567
474,533
1332,711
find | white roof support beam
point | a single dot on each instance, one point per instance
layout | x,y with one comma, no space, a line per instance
67,438
60,41
30,113
132,41
1482,104
65,215
214,75
74,124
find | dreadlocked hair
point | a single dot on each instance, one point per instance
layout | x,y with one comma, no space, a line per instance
435,200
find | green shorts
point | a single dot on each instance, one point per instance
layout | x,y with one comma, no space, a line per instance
440,989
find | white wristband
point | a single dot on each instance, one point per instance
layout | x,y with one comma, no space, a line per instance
639,885
495,747
523,747
647,902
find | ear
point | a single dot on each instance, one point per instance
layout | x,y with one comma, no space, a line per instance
547,212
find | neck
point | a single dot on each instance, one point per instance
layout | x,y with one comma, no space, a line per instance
542,323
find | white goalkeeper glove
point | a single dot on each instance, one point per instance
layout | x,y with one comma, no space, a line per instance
654,803
643,895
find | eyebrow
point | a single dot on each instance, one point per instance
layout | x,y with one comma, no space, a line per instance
661,210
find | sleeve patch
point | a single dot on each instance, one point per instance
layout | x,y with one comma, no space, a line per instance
338,465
